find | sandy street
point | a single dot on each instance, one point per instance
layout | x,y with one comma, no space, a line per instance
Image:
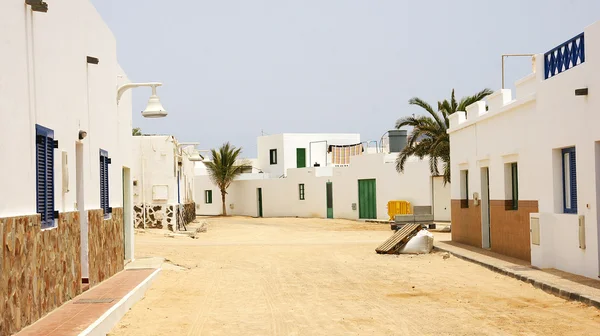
322,277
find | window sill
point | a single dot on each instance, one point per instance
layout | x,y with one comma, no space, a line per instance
109,217
54,226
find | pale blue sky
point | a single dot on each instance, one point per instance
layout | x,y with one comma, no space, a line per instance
232,68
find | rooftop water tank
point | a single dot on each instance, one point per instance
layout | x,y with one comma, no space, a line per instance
397,140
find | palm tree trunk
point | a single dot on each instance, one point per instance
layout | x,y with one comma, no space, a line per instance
223,202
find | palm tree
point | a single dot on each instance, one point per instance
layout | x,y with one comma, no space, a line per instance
136,131
429,136
224,168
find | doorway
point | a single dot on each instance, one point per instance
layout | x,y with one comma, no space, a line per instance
127,215
329,190
260,201
367,199
486,241
83,218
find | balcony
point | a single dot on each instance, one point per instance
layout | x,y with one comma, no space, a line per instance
564,57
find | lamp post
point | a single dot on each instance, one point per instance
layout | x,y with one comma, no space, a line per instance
154,109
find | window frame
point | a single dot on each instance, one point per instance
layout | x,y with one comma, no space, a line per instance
104,184
45,204
514,182
464,201
273,156
569,203
301,192
208,196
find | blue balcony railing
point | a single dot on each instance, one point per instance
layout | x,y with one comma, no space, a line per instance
565,56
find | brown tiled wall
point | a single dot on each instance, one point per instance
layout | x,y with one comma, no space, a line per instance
510,228
40,269
466,223
106,245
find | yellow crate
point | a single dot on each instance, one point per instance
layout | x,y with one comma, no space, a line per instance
398,208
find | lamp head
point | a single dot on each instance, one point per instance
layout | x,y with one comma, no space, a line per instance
154,109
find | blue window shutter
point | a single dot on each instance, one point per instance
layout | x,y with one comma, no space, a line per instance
45,145
573,180
104,200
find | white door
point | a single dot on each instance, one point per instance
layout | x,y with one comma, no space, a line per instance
441,200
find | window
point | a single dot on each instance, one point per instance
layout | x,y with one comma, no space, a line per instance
569,173
104,201
300,157
44,161
301,191
208,196
464,188
273,156
512,186
246,169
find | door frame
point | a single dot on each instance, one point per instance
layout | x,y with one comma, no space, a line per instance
329,199
259,202
83,217
486,225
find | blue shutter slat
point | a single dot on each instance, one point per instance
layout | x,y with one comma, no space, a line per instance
50,181
41,177
106,201
573,186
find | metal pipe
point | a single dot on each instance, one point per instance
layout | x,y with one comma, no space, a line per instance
511,55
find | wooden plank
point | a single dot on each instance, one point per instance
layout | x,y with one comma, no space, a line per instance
399,239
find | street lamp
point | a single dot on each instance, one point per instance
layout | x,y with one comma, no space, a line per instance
154,109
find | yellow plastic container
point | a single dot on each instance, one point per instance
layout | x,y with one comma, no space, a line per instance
398,208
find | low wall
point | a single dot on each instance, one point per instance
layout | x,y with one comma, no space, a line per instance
106,245
40,270
509,229
466,223
186,214
158,216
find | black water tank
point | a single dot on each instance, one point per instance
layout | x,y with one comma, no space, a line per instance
397,140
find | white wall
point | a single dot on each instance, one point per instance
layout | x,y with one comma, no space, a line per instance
281,195
156,166
45,79
545,117
287,143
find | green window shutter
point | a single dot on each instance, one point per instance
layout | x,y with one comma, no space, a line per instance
300,157
515,185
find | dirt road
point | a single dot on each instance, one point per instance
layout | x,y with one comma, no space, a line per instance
319,277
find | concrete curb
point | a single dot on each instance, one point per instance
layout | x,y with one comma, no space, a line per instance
104,324
546,287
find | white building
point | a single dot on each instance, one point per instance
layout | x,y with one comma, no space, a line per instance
327,191
65,199
532,163
163,182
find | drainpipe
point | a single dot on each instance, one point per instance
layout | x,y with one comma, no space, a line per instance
143,183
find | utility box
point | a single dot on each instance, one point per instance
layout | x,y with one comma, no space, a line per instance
398,140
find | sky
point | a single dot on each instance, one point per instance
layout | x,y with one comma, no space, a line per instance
235,69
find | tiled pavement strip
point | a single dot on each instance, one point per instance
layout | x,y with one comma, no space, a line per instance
562,284
76,316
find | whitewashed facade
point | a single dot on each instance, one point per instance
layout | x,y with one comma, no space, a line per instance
284,196
538,129
163,181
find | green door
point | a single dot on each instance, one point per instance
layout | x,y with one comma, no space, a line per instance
329,200
259,196
367,200
300,157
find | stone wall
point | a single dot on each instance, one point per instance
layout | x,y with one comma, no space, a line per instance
509,228
106,245
40,270
158,216
185,214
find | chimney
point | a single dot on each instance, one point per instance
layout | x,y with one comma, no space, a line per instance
397,139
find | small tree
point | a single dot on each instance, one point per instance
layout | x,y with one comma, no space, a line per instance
224,168
136,131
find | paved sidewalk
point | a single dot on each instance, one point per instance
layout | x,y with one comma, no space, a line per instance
89,308
565,285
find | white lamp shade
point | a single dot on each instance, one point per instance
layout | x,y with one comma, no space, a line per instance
154,109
